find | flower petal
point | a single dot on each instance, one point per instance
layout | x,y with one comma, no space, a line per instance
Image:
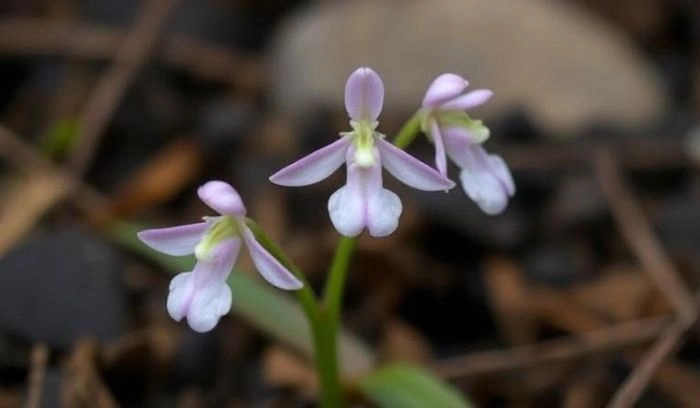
175,241
314,167
469,100
444,88
180,296
346,206
457,140
217,267
502,172
383,206
486,180
364,95
269,267
221,197
410,170
203,295
440,159
209,304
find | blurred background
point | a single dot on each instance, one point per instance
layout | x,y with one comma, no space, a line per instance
119,109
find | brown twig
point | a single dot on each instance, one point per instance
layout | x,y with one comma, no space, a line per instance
636,383
22,156
638,233
36,36
614,337
39,358
108,92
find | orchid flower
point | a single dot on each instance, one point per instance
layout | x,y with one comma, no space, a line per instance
203,295
485,177
363,202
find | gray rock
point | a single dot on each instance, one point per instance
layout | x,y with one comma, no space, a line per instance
564,67
60,286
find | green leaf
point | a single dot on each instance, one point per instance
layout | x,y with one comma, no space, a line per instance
59,137
402,385
271,310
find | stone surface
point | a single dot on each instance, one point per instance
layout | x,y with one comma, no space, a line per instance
60,286
550,58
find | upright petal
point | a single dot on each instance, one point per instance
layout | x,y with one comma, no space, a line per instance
486,180
444,88
410,170
176,241
364,95
269,267
221,197
469,100
314,167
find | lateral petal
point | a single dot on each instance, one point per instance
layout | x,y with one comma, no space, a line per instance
410,170
269,267
315,166
176,241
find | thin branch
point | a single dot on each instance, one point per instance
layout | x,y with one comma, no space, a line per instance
636,383
22,156
37,37
639,235
110,89
39,357
571,347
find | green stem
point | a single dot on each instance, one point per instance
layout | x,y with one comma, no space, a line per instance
408,132
329,324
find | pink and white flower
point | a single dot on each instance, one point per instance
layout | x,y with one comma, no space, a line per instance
363,202
202,295
485,177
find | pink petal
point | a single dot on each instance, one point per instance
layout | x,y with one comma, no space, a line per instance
383,206
202,296
457,140
364,95
410,170
208,306
346,206
221,197
175,241
314,167
440,159
269,267
362,202
444,88
487,180
180,296
469,100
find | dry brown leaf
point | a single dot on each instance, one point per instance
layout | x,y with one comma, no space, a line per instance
282,368
510,301
159,180
26,199
402,342
623,293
